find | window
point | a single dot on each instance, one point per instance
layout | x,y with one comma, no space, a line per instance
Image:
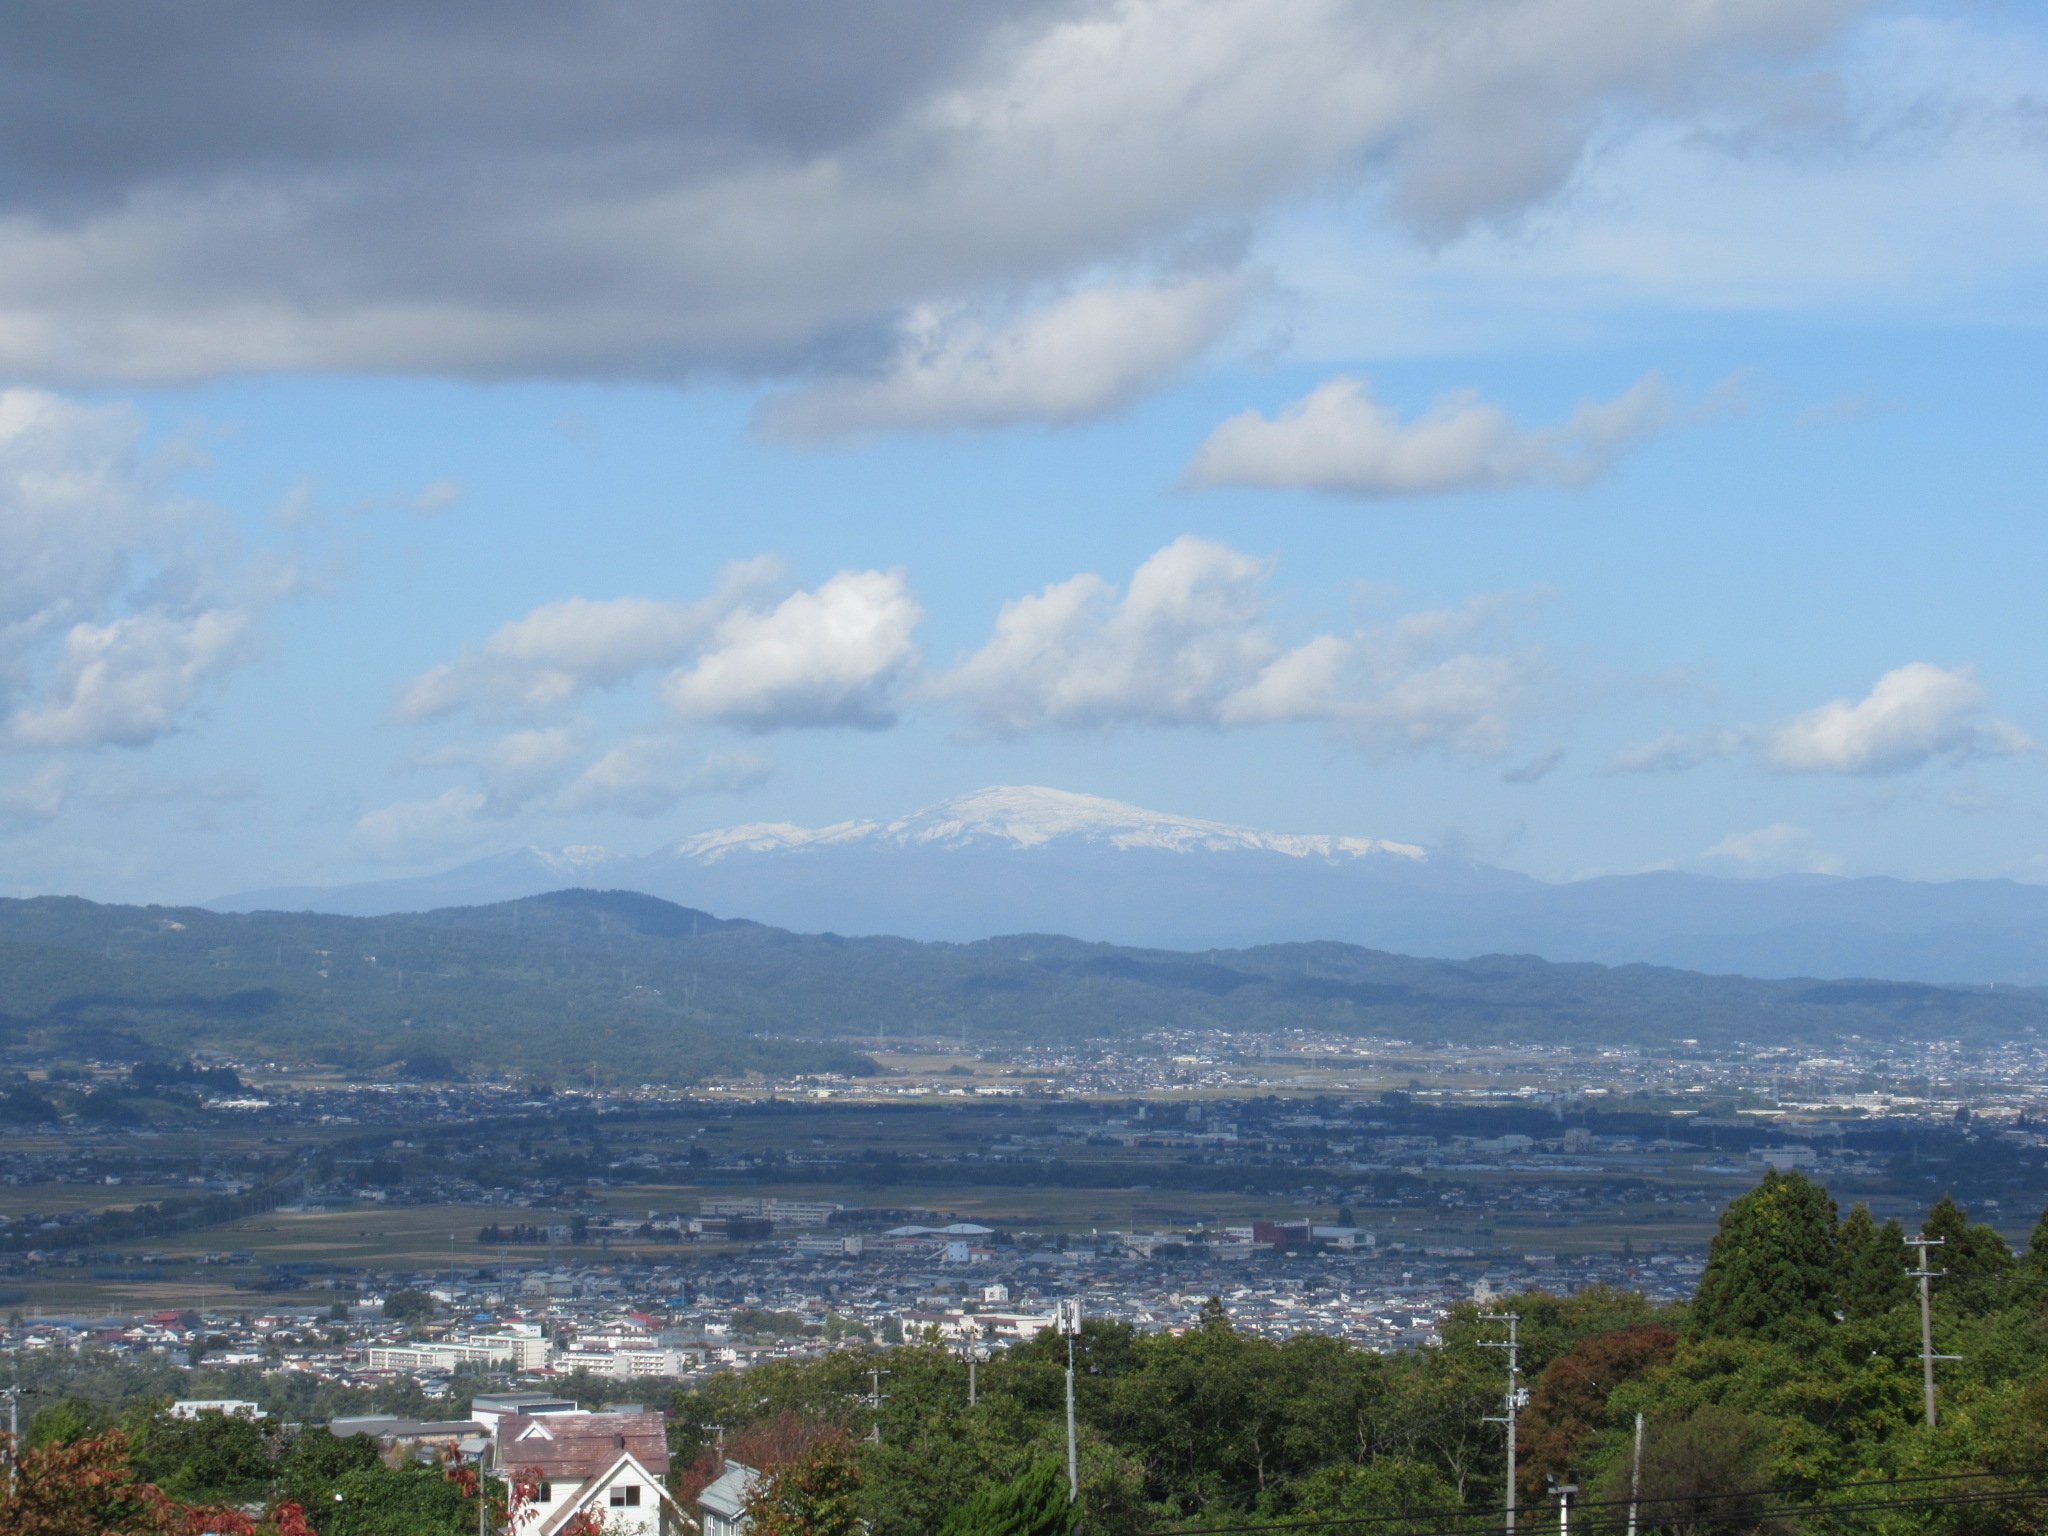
544,1493
626,1497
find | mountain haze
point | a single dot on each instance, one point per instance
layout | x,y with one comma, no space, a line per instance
1034,860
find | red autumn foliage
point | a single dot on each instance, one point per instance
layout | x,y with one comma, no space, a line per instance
87,1488
1569,1402
764,1447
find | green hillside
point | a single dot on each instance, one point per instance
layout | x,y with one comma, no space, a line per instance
554,982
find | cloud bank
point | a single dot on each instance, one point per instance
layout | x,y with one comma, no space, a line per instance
659,189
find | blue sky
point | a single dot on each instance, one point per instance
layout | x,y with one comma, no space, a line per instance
1585,440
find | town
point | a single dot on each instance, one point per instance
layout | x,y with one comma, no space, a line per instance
447,1234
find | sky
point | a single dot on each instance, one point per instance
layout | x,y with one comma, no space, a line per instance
1579,435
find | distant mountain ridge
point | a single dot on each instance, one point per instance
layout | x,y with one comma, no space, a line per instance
1024,859
582,981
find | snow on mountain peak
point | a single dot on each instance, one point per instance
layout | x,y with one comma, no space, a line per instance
1029,816
577,858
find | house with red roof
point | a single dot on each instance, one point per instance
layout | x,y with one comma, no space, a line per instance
610,1466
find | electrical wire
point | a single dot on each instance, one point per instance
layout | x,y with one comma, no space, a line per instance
1471,1525
1492,1516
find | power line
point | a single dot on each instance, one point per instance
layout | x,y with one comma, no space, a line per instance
1488,1515
1462,1524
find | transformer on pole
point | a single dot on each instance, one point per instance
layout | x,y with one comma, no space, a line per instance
1512,1401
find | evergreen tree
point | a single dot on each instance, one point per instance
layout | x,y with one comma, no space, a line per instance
1771,1267
1031,1504
1871,1261
1979,1268
1390,1488
2034,1262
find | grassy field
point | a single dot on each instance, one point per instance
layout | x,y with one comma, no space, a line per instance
1041,1209
15,1200
381,1236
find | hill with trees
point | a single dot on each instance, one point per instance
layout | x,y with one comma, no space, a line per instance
549,983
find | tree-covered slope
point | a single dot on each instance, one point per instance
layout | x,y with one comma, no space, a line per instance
556,982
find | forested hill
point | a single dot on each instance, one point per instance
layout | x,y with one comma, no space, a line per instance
552,981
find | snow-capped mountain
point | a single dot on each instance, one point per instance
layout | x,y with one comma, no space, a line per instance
1032,860
1027,816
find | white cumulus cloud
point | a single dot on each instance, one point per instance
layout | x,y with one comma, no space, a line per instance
1338,438
835,655
551,656
80,516
128,681
1079,357
1189,642
120,599
1186,638
1916,714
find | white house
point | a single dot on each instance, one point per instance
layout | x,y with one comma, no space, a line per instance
609,1465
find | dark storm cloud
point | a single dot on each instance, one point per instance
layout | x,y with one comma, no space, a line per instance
654,189
101,97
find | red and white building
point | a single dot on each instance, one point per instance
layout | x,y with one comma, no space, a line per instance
610,1466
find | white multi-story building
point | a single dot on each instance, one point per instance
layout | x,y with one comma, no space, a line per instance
633,1360
519,1347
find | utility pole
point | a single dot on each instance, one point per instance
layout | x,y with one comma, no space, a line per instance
970,1346
1927,1355
1067,1318
875,1375
1635,1478
1514,1398
13,1439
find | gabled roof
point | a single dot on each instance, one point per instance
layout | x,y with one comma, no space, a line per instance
726,1494
561,1446
594,1486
